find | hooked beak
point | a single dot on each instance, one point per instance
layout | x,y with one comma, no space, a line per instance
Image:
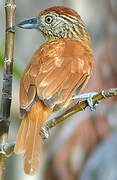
29,24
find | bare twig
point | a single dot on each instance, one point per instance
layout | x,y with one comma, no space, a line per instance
7,80
79,107
7,148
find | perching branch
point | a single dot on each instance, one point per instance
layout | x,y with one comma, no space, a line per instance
81,106
7,80
7,149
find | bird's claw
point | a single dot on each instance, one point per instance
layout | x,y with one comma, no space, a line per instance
92,105
88,97
44,133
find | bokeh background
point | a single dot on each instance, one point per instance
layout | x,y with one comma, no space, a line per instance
84,147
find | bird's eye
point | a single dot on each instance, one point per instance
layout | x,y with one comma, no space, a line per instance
48,19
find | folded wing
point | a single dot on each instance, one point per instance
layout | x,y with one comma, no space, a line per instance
56,71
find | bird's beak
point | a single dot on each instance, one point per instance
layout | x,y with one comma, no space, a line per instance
29,24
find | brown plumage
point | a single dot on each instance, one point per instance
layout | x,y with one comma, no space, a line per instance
59,68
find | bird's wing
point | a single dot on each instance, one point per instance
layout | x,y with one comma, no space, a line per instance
57,70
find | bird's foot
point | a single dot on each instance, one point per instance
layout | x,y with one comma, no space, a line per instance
88,97
44,133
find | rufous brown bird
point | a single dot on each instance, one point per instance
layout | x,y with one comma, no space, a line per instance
60,68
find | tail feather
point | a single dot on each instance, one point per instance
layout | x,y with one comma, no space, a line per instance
33,150
32,142
19,146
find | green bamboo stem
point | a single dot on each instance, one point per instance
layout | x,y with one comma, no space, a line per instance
7,81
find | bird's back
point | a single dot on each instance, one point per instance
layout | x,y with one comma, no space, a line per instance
57,69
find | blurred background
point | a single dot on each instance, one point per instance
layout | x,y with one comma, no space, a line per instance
84,147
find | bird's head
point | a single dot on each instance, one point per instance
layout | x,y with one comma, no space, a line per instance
58,22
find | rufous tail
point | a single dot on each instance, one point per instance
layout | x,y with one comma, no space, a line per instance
29,140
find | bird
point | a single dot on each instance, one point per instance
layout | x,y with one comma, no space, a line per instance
57,71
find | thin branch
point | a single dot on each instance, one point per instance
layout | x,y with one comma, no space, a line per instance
7,148
7,79
80,106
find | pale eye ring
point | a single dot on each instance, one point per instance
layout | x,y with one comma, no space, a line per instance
48,19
